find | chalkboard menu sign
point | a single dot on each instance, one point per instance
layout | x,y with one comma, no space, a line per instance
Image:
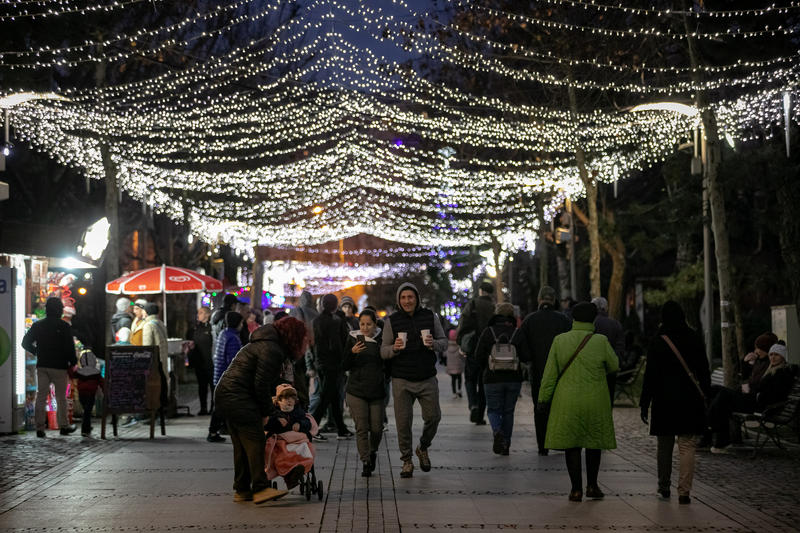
129,369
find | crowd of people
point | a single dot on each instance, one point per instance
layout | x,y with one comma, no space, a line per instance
262,375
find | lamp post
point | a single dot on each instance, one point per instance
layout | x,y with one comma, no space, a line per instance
698,167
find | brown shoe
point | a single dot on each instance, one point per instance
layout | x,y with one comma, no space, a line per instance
407,470
268,494
594,493
242,497
424,460
576,496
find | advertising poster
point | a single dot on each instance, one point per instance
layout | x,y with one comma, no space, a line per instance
7,286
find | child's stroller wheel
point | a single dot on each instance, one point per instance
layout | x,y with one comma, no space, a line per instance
308,493
319,491
302,486
274,484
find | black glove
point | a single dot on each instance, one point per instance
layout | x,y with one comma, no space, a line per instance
644,416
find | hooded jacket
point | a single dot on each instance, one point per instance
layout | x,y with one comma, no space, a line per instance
244,392
305,310
415,362
366,368
50,340
502,329
535,337
330,335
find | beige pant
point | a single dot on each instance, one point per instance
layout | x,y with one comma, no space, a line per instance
687,444
44,377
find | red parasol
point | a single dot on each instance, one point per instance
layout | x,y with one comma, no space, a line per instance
166,279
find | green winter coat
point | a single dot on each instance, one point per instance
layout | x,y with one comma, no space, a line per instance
580,411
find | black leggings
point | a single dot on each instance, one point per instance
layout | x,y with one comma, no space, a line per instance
455,380
573,456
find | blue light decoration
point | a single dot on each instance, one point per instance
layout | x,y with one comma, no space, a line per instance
398,142
205,299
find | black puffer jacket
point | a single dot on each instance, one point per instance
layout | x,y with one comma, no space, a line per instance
330,336
244,392
366,378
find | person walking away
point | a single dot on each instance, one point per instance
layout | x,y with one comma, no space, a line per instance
229,303
612,329
330,335
89,380
228,345
500,371
50,340
201,358
122,318
137,327
305,369
533,342
243,397
474,319
677,382
454,363
365,388
411,337
574,380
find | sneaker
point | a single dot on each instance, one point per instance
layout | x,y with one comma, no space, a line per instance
366,471
385,427
319,437
239,497
69,430
663,494
215,437
407,470
594,493
721,449
345,435
129,422
268,494
40,433
295,475
85,434
424,460
684,500
497,446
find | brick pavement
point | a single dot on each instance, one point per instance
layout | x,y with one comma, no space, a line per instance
181,482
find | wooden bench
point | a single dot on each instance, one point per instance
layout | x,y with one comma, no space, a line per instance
768,424
626,380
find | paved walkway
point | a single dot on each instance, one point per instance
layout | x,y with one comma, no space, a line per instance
181,482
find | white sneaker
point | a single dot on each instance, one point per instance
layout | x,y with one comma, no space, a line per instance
722,450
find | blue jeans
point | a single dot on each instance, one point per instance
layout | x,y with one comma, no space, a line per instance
501,399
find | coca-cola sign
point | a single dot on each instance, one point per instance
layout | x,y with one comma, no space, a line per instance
180,279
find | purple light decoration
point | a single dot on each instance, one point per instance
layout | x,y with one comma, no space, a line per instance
398,142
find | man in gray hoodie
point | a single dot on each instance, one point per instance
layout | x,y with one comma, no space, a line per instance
411,337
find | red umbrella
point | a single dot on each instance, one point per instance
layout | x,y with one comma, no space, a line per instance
163,280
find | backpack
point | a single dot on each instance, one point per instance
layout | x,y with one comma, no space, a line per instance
503,355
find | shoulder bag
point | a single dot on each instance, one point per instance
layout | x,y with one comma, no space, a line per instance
685,367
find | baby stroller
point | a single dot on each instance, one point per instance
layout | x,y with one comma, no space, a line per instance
291,450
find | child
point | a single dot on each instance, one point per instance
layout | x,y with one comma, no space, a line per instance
290,416
89,379
455,363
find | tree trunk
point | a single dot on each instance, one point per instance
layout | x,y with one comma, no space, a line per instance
541,248
256,289
498,279
711,155
590,185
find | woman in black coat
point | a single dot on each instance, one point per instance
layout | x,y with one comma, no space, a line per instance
365,387
678,407
243,397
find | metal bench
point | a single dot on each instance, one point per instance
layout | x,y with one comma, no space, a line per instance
768,425
626,381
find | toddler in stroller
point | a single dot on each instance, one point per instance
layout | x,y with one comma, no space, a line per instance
289,451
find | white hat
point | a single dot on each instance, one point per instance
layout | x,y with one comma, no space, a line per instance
779,349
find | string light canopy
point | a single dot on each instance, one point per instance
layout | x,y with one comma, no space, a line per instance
320,130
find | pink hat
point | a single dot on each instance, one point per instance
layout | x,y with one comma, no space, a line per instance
284,389
452,334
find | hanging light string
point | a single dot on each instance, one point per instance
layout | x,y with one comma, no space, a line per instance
770,10
106,7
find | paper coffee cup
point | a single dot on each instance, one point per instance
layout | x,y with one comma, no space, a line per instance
403,336
425,333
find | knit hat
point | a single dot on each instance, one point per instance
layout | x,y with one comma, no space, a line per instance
601,303
779,349
151,308
584,312
122,304
452,334
140,303
766,340
347,300
504,309
329,302
123,334
547,294
283,390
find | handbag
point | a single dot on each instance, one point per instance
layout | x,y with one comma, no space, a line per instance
686,368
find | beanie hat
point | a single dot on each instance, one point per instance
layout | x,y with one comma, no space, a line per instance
123,334
452,334
283,390
233,319
140,303
504,309
122,304
779,349
348,300
766,340
601,303
329,302
584,312
151,308
547,294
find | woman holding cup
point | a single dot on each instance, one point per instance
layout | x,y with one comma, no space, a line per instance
365,388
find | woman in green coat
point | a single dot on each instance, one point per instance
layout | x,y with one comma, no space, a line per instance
580,412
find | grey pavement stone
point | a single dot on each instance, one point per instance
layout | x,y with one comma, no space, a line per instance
181,482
